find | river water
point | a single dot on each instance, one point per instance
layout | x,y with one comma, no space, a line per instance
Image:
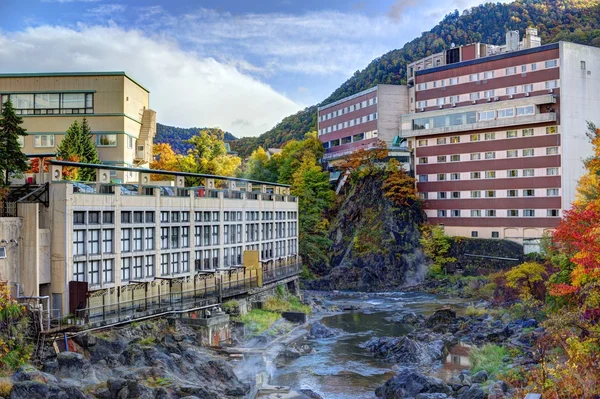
340,369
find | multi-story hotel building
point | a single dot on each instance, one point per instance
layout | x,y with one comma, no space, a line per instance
499,134
358,121
115,105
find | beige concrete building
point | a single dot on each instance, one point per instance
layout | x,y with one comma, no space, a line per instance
116,106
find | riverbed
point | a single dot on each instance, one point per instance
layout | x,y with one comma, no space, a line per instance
340,368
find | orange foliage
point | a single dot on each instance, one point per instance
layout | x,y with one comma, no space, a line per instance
365,159
398,186
34,165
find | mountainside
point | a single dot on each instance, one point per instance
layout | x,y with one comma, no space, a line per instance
175,136
570,20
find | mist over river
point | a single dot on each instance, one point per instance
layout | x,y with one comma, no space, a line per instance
340,368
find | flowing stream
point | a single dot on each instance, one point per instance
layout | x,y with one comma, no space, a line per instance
340,369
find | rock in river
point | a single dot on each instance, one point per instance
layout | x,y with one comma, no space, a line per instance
320,330
406,350
408,383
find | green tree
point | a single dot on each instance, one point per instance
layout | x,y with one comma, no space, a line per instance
315,196
78,146
89,152
524,278
259,166
436,246
12,159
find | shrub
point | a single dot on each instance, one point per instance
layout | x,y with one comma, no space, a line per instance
257,321
475,312
488,357
231,307
148,341
5,387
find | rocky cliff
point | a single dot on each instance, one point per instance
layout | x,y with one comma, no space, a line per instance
375,243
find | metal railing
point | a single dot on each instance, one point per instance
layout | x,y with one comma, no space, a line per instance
278,270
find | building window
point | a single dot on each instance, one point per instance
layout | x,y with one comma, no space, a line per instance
455,213
551,130
107,241
528,152
527,110
529,193
149,265
441,140
78,217
43,140
550,64
488,75
125,217
475,137
511,90
441,158
164,237
422,143
441,195
527,132
511,134
440,101
513,213
551,171
474,77
454,176
422,160
528,213
475,156
475,194
533,67
511,70
552,84
552,192
93,217
528,172
441,213
495,234
553,213
527,88
512,153
474,96
125,269
490,136
94,242
490,174
490,213
552,151
78,271
490,155
455,139
424,196
486,115
512,193
125,240
474,234
108,217
455,194
137,239
185,262
476,213
138,217
174,237
215,235
78,242
455,158
423,178
489,93
490,194
107,270
475,175
106,140
164,264
506,113
421,104
441,176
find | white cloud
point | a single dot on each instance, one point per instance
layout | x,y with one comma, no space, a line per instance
186,89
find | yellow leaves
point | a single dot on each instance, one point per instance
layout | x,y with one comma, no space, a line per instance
581,276
524,277
398,186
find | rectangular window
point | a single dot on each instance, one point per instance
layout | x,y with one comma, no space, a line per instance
174,237
526,110
486,115
93,217
43,140
175,263
551,171
490,155
455,213
185,262
527,88
489,93
511,90
490,194
474,77
125,240
441,158
512,153
552,192
495,234
553,213
149,265
454,176
474,96
552,151
512,173
474,234
550,64
488,75
475,194
455,158
475,137
421,104
506,113
440,101
528,213
475,175
511,134
441,195
78,271
423,178
512,193
215,235
455,194
185,237
129,142
125,269
94,242
108,270
528,172
149,238
490,136
490,174
551,130
475,213
164,264
455,139
453,81
138,217
424,196
529,193
422,160
164,237
490,213
125,216
510,70
552,84
106,140
441,176
422,143
138,264
107,241
533,67
441,213
78,242
137,239
527,132
441,140
475,156
108,217
512,213
78,217
175,217
529,152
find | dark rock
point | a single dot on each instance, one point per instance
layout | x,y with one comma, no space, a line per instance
28,373
320,330
409,383
441,316
86,340
38,390
472,393
480,377
50,366
75,366
406,350
431,396
531,323
310,394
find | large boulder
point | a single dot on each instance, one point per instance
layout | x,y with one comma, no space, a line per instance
443,316
406,350
39,390
320,330
75,367
474,392
408,383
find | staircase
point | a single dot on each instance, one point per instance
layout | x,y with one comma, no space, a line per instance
146,137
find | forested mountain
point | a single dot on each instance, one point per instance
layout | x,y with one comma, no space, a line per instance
570,20
175,136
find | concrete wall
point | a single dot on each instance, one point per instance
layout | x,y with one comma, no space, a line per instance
391,103
10,229
579,103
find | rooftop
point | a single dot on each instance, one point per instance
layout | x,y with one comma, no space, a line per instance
67,74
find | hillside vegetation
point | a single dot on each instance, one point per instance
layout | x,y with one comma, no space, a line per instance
570,20
176,137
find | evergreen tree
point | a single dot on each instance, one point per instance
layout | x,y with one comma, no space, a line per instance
69,146
89,152
78,146
12,159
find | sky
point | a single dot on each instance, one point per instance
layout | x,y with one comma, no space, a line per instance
241,65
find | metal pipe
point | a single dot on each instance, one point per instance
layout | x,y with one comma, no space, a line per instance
43,298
